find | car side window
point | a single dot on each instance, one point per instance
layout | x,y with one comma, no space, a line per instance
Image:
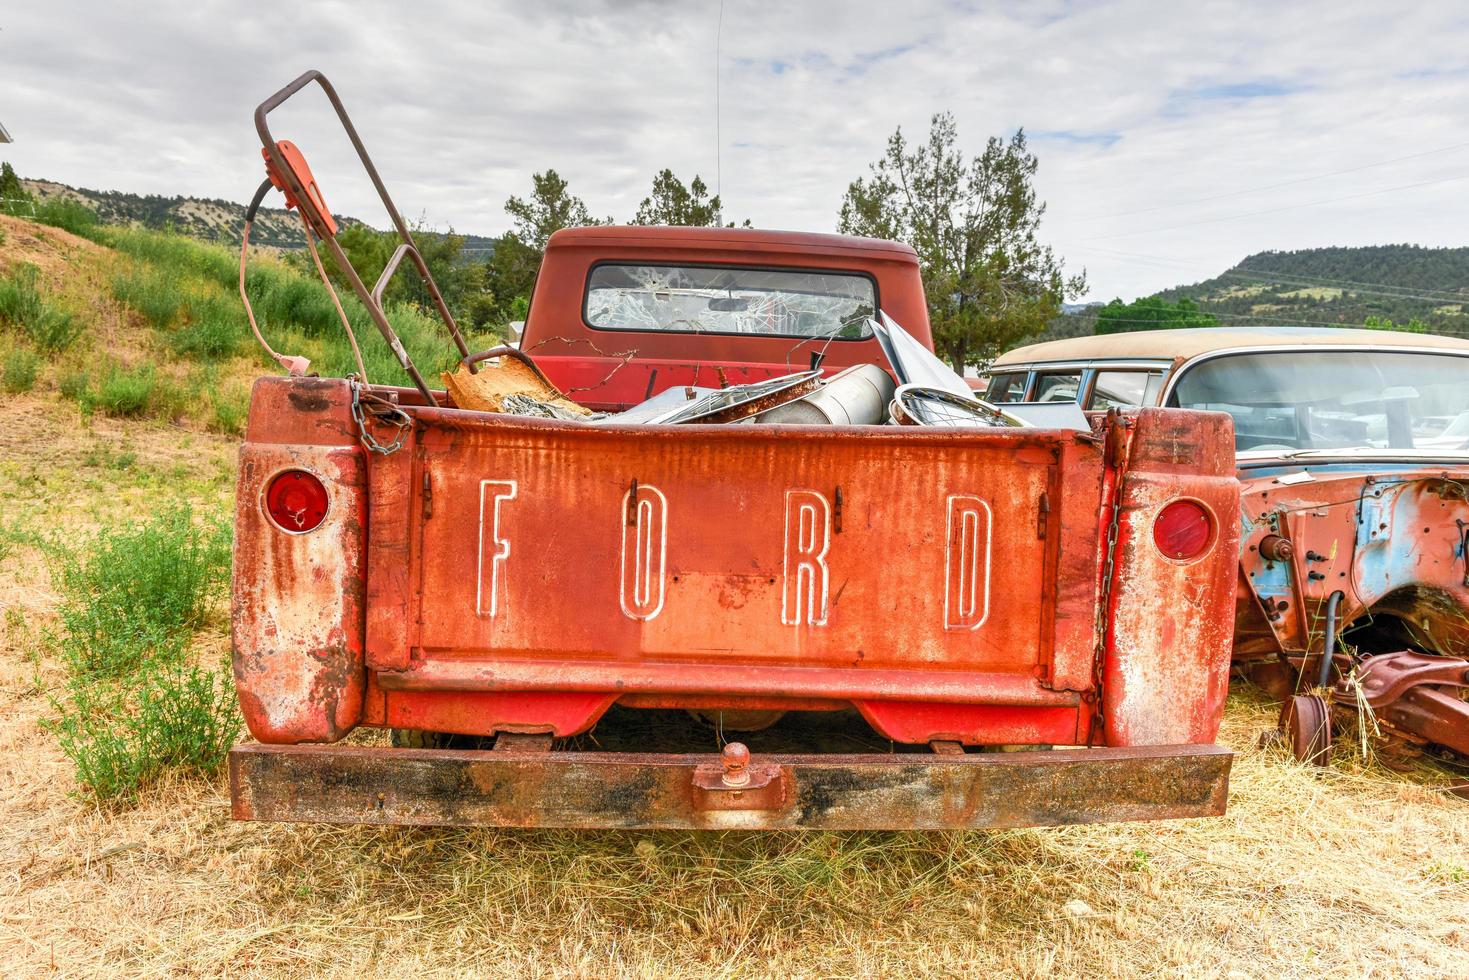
1057,387
1006,387
1124,389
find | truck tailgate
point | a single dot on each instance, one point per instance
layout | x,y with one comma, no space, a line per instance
853,564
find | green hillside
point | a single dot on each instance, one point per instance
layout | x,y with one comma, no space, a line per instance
208,219
1341,287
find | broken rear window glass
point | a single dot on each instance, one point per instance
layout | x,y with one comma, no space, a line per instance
721,299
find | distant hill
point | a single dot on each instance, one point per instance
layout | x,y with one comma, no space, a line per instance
1329,287
1341,286
210,219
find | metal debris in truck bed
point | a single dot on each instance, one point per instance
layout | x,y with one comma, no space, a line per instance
511,386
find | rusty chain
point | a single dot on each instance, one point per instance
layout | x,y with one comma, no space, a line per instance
1104,608
383,411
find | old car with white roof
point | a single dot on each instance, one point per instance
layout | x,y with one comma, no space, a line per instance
1352,448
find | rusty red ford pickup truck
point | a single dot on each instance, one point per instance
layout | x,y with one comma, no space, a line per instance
716,618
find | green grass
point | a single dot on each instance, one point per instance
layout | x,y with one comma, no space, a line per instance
188,291
18,372
134,595
68,215
133,706
175,717
12,536
215,329
24,306
181,256
152,292
123,391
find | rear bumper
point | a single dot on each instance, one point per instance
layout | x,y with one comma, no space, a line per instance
434,787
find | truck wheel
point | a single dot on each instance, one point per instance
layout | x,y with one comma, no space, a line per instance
1306,721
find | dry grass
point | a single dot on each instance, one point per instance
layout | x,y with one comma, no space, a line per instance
1350,872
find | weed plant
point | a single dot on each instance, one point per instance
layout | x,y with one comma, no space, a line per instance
18,372
134,595
133,706
24,306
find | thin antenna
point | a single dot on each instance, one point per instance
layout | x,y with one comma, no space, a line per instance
718,140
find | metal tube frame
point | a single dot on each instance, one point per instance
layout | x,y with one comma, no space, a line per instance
372,300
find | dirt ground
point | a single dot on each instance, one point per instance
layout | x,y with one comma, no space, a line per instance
1353,871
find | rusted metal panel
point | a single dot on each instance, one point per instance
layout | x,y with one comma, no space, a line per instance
391,582
1168,650
352,784
747,560
1435,714
301,411
525,574
1393,541
473,712
736,679
298,599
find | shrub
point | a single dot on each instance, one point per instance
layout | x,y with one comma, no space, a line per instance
133,595
123,391
23,305
289,300
178,255
68,215
54,331
75,386
214,330
155,295
19,371
229,415
178,717
133,706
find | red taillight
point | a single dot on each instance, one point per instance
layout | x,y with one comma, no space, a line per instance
1183,530
296,501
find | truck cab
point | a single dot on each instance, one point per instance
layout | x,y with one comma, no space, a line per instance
620,314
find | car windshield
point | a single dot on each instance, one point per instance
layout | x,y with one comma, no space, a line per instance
1291,400
713,299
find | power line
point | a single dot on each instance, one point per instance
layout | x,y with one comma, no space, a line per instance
1288,207
1264,320
1367,288
1270,187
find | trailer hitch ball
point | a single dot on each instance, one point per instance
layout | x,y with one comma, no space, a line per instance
736,760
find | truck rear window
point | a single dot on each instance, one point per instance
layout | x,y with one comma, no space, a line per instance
723,299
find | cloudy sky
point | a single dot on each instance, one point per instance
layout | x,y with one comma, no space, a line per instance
1174,137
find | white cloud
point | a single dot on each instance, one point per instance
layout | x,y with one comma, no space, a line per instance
1138,110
